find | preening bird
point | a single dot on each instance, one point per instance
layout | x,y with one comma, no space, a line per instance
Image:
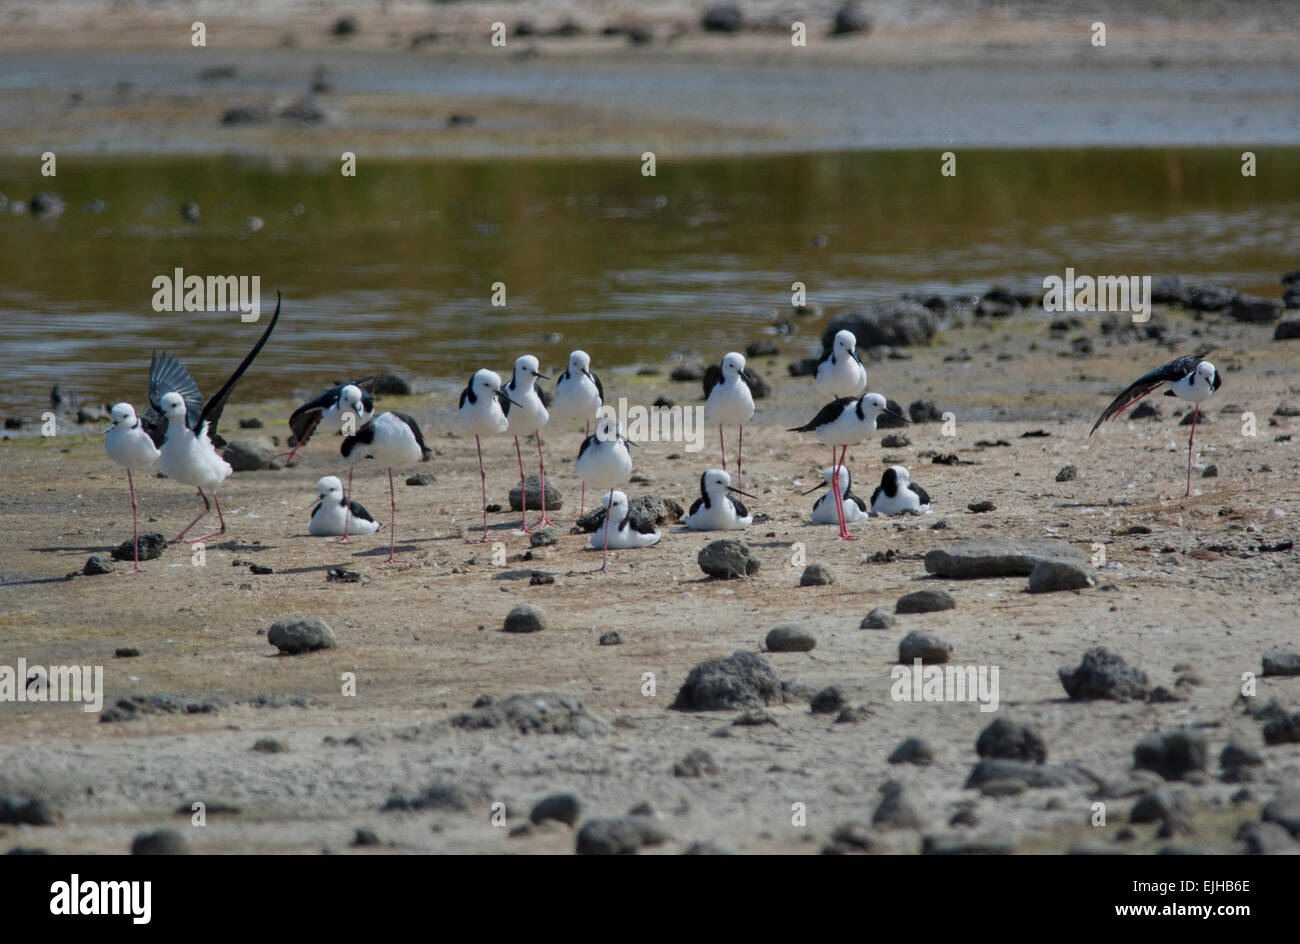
897,494
326,412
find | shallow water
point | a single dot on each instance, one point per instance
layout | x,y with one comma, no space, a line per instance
394,268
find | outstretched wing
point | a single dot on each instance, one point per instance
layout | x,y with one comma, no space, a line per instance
168,375
212,409
712,377
1176,369
304,419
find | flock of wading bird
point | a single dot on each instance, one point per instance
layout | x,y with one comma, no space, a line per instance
179,437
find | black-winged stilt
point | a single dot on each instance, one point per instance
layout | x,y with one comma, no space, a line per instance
189,450
825,510
1190,377
393,440
623,530
578,396
333,513
604,462
715,509
840,372
525,414
481,413
729,401
897,494
327,411
130,446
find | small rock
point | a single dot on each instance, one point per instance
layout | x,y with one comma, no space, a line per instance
879,618
929,649
858,715
526,618
1051,576
723,18
1012,741
697,763
790,639
896,441
294,636
25,811
1173,755
250,455
346,26
126,652
851,19
534,484
925,601
151,547
611,638
270,745
1277,662
560,807
160,842
609,837
1255,310
421,478
728,559
980,507
1068,473
741,680
1284,809
817,575
544,538
1103,674
97,564
894,811
828,701
913,750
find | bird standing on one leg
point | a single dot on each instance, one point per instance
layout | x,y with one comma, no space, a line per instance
130,446
840,372
729,401
526,413
578,396
605,461
1190,377
393,439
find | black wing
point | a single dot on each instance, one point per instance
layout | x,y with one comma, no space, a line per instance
168,375
155,427
827,355
739,506
1176,369
856,499
599,388
467,395
640,525
712,377
362,437
876,494
920,493
697,505
825,416
359,512
586,444
212,409
425,452
304,419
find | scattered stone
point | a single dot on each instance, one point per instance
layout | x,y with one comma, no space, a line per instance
260,569
611,638
526,618
439,795
1255,310
1236,755
47,203
1279,662
829,701
346,26
980,507
190,212
895,811
1155,806
929,649
1209,297
895,324
1287,330
1145,410
879,618
790,639
1211,472
559,807
896,441
686,373
160,842
1266,839
392,385
1173,754
1035,776
421,478
722,18
1068,473
294,636
247,115
618,836
697,763
541,578
535,713
857,715
913,750
817,575
342,575
251,455
952,845
365,837
151,547
18,810
270,745
126,652
851,19
1103,674
924,411
652,511
854,837
741,680
544,538
998,557
728,559
1051,576
1012,741
1284,809
1283,730
925,601
761,348
97,564
534,484
1203,419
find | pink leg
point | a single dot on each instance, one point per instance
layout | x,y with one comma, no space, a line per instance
294,451
221,523
482,475
347,513
839,498
541,461
604,562
392,526
740,465
523,492
723,446
1196,412
197,519
582,500
135,528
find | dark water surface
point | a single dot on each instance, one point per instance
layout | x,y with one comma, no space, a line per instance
394,268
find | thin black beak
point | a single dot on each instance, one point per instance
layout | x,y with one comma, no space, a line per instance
540,375
815,488
319,499
502,395
899,416
732,488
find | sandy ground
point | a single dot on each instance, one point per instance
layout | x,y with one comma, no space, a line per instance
84,77
1196,597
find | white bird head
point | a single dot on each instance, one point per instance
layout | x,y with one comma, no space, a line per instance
846,342
528,368
123,416
1205,371
330,487
874,404
617,505
845,477
579,362
173,406
485,383
350,398
901,475
733,365
715,482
